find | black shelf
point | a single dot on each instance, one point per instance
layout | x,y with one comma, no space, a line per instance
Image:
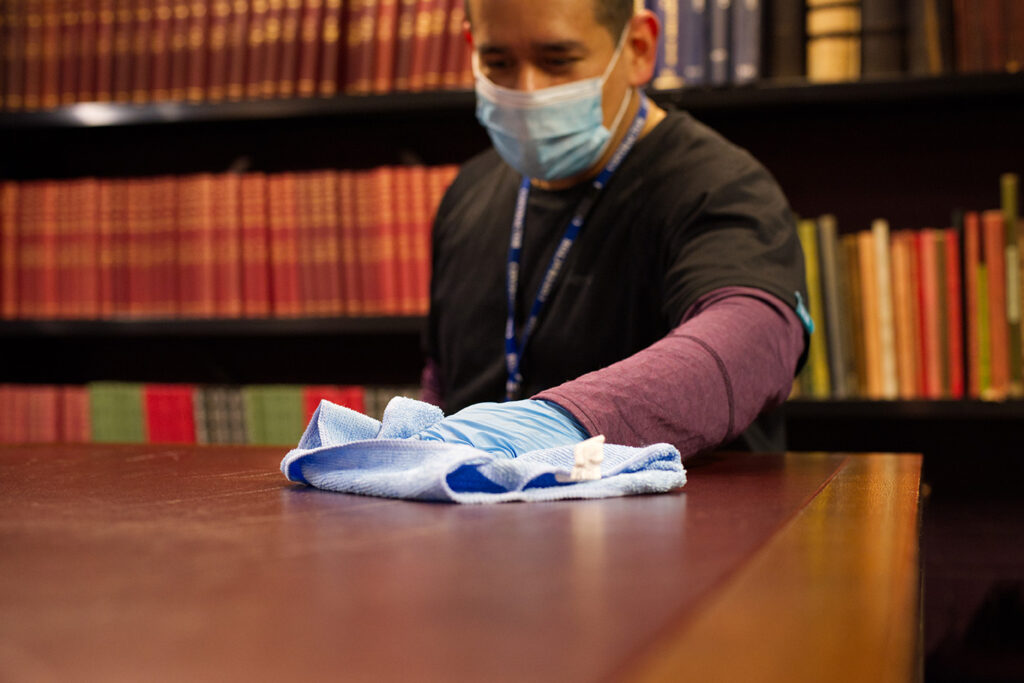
947,410
227,328
919,91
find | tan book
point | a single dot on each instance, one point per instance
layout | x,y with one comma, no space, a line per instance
833,40
887,334
871,318
904,315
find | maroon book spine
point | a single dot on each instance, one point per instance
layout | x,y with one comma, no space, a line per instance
309,43
68,42
141,30
220,23
238,41
330,53
160,51
198,32
87,51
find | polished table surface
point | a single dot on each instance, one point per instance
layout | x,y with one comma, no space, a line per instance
202,563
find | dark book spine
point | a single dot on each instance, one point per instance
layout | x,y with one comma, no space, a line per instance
330,53
719,57
746,41
693,37
288,69
883,37
50,93
786,47
668,67
14,54
122,83
198,46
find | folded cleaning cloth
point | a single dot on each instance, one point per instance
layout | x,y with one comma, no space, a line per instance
342,450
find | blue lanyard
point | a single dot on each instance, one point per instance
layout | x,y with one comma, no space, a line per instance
514,347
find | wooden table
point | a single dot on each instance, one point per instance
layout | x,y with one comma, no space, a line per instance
184,563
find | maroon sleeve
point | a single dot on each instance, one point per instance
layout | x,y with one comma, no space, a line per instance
733,356
430,383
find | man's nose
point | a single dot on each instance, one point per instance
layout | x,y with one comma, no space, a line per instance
527,78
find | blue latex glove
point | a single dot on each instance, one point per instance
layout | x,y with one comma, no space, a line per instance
508,429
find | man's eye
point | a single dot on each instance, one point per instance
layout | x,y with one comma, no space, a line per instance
559,63
497,64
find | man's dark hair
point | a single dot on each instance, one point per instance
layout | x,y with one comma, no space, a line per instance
612,14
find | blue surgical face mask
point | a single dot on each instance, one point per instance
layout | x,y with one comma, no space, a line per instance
552,133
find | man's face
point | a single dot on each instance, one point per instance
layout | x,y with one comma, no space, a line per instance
535,44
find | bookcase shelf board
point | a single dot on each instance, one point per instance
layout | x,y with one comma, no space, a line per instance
954,89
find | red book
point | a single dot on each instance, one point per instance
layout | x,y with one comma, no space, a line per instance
198,48
326,256
217,72
164,265
6,413
105,13
435,44
954,314
48,254
32,54
368,243
312,395
67,249
140,248
419,189
141,45
330,53
89,218
384,240
928,298
309,290
9,253
455,46
169,413
288,70
182,10
405,230
404,43
42,421
284,257
160,51
255,246
196,265
384,46
237,48
359,32
28,255
421,44
968,23
348,244
993,240
972,258
13,52
309,44
256,59
68,45
75,419
49,96
271,48
87,51
112,198
122,78
227,245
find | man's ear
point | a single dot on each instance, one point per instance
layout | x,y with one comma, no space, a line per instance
642,40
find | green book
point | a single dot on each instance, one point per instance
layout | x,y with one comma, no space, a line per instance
828,258
274,414
1009,183
817,356
117,412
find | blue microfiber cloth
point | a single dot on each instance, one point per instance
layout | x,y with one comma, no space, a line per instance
342,450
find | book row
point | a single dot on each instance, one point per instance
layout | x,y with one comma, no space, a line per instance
127,412
317,243
933,313
60,52
717,42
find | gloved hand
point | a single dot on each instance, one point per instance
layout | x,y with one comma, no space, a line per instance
508,429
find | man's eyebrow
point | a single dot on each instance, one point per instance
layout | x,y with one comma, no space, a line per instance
539,46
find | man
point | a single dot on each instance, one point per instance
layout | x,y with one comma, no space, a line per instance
653,269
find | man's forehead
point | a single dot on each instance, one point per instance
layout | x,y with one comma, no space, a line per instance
534,21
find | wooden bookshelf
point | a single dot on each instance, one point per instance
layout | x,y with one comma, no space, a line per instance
914,147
